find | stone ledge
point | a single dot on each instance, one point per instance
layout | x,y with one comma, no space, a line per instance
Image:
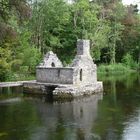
74,91
62,91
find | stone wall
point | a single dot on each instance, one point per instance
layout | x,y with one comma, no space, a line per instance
85,76
81,72
85,69
51,60
55,75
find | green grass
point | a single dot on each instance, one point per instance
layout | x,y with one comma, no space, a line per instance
20,77
114,69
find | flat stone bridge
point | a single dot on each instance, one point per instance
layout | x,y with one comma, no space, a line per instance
13,84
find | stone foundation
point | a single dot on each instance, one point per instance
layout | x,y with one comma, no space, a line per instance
60,91
75,91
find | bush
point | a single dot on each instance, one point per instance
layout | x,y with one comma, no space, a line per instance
128,61
4,69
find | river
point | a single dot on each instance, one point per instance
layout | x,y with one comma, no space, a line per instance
111,115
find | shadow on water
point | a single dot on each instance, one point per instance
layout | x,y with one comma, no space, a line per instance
112,116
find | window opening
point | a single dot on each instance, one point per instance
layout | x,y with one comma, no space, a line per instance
53,65
81,73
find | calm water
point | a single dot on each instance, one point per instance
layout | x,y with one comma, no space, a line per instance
114,115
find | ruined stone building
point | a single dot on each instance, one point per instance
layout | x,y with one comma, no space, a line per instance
81,71
78,78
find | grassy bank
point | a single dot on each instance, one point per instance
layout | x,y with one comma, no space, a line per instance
104,69
118,68
20,77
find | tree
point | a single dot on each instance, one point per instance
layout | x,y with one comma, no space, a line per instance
13,23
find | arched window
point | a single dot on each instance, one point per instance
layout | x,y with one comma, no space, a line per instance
81,73
53,65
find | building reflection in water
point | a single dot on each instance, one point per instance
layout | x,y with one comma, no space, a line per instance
69,120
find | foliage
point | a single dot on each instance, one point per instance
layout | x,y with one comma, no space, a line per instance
113,69
31,28
129,61
5,66
27,52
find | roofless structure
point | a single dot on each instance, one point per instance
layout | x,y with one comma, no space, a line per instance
79,78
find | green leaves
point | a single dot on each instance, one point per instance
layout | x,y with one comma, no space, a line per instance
3,134
5,65
113,29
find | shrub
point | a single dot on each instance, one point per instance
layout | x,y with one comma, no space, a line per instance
129,61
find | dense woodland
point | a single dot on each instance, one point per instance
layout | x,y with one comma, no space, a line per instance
30,28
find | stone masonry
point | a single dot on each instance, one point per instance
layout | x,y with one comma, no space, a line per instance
79,78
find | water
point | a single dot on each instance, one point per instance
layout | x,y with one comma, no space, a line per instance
113,115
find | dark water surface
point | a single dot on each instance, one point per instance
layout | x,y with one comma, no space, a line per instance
114,115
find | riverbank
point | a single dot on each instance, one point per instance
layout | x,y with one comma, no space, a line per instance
115,69
103,69
20,77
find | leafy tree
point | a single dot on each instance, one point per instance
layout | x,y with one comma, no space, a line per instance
14,15
31,28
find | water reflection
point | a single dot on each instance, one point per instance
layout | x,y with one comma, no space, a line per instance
132,128
10,92
17,120
114,116
118,107
70,120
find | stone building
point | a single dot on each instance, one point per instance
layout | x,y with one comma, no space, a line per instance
78,78
81,71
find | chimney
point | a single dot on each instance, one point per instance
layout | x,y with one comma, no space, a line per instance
83,47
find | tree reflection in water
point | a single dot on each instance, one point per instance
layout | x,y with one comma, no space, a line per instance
114,116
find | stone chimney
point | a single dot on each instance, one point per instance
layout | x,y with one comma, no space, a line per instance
83,47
